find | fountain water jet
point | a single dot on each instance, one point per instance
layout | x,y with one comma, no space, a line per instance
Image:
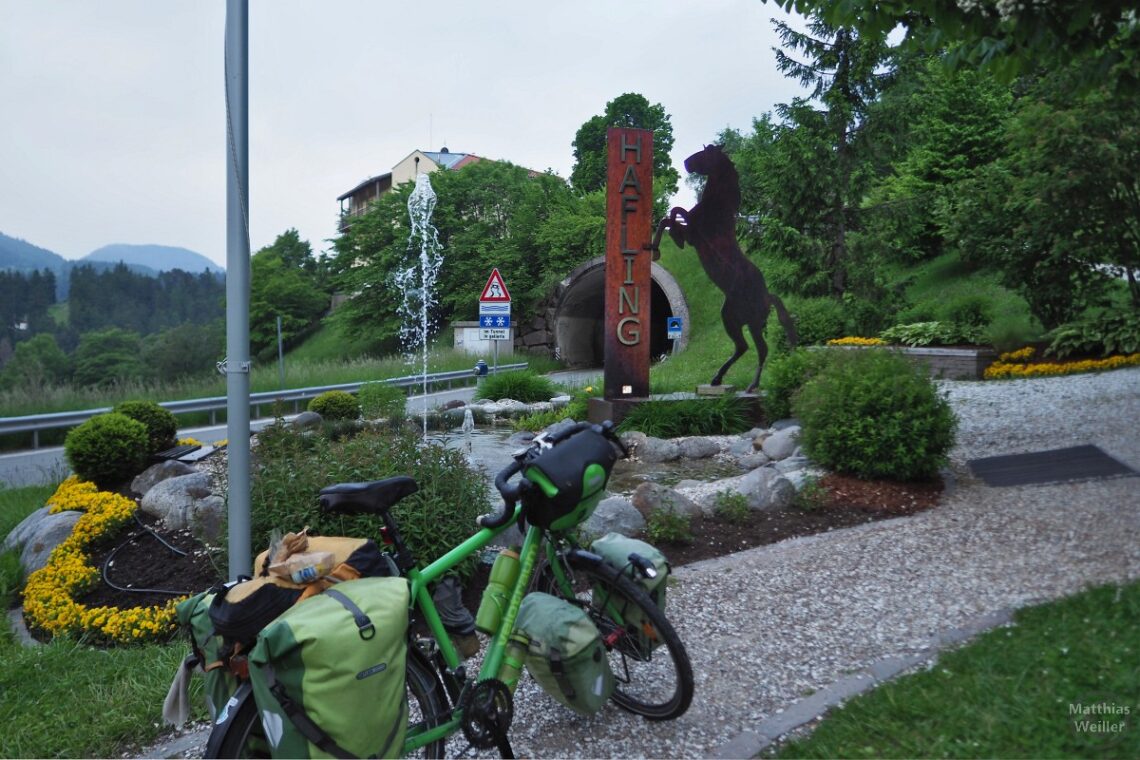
416,282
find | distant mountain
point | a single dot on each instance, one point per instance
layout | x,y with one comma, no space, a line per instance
157,258
22,256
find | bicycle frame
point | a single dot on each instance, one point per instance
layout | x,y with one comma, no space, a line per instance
419,580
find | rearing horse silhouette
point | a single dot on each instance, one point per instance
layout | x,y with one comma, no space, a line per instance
710,225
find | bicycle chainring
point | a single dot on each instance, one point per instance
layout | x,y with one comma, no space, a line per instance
487,713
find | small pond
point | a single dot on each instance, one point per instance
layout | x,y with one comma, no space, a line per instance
491,452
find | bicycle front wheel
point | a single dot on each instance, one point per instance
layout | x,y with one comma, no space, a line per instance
649,662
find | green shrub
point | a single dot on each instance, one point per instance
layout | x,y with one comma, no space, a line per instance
810,496
107,449
873,414
1104,334
161,425
382,400
818,320
722,415
524,386
293,467
932,334
336,405
575,410
785,375
968,310
666,527
732,506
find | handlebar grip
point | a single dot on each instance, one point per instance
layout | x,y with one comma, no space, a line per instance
510,494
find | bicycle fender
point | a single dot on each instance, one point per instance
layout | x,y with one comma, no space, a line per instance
226,718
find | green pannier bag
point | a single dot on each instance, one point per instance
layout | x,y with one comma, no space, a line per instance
328,674
616,548
565,655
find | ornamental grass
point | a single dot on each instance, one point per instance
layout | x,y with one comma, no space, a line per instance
1015,364
49,596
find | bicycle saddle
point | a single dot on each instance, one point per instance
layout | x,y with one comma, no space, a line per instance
373,497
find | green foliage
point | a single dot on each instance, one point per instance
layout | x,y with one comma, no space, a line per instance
336,405
664,526
108,356
117,297
107,449
628,110
1104,334
576,409
873,414
186,350
732,506
810,496
785,375
818,319
161,425
932,334
525,386
381,400
36,362
294,467
286,282
721,415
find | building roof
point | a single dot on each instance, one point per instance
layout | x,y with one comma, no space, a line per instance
366,183
445,158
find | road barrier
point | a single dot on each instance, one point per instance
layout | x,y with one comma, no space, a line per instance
34,423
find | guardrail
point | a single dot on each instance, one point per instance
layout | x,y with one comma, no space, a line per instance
34,423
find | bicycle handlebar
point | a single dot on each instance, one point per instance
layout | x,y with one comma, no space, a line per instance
512,492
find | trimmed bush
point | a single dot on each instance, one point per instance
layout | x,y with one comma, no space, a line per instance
873,414
293,467
783,377
336,405
108,449
381,400
524,386
817,320
161,424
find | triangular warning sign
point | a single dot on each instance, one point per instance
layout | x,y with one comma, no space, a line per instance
495,291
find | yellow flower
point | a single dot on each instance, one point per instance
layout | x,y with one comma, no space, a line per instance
855,341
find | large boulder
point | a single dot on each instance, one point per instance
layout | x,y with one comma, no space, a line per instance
782,443
765,488
615,515
185,502
657,450
698,447
155,474
38,534
307,421
649,497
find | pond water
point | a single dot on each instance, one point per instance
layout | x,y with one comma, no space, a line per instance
490,452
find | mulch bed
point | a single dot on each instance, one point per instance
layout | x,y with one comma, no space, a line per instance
143,562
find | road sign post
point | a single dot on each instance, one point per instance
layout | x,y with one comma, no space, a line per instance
495,312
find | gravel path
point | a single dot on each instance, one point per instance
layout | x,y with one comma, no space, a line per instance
766,627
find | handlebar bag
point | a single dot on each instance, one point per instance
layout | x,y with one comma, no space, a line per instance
570,479
566,654
328,675
615,549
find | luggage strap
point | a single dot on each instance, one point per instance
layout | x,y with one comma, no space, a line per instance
559,671
301,719
363,624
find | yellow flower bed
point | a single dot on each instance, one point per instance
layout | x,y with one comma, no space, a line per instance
49,596
189,441
1013,365
853,341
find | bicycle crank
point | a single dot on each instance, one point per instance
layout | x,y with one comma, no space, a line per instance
487,712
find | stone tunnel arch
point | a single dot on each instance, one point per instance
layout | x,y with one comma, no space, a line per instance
579,316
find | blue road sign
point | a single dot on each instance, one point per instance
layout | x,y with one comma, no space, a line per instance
673,327
489,321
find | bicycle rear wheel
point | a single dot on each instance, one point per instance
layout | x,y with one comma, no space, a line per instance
245,737
649,662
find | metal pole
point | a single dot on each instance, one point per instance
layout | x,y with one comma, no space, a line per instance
280,356
237,282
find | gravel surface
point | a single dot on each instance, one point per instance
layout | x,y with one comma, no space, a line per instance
766,627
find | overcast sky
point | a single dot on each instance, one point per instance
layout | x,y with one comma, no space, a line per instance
112,113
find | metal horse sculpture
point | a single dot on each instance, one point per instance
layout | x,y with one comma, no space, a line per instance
710,225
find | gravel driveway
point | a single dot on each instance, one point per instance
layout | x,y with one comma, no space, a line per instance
769,626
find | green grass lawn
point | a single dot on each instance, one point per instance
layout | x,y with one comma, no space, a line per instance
1063,681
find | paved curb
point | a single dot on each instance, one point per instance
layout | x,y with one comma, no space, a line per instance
750,743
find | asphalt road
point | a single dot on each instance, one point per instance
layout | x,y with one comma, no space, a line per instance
47,465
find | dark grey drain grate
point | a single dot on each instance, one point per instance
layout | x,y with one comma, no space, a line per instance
177,451
1053,466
